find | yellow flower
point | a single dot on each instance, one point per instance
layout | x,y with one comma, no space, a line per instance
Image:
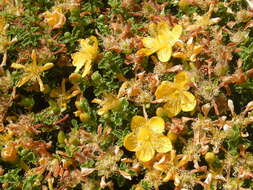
32,71
147,137
86,54
162,41
55,19
64,96
175,95
110,102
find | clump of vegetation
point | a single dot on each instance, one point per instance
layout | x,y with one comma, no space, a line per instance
126,94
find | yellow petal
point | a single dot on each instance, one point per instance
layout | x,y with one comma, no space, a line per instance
182,80
24,80
146,152
163,28
47,66
40,83
97,101
171,37
90,46
34,58
144,134
173,107
102,111
73,94
87,53
177,31
84,43
164,54
152,29
130,142
138,121
148,42
87,68
160,112
164,90
156,124
180,55
188,101
17,66
145,52
79,60
162,144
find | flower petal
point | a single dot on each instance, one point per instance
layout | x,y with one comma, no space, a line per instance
188,101
164,90
34,58
90,46
164,54
177,31
173,107
182,79
162,144
87,68
45,67
145,52
146,152
156,124
17,66
24,80
171,37
79,60
138,121
163,28
149,42
130,142
144,134
40,83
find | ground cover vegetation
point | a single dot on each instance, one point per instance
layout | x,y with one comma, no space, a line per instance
126,94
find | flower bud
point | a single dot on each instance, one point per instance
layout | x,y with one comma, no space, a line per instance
61,137
74,78
84,117
210,157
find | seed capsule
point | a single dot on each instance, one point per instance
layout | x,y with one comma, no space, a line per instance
61,137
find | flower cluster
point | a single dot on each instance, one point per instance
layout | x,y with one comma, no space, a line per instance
162,40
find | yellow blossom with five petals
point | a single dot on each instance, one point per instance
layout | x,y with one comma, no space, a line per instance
175,95
87,53
32,71
147,137
161,41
